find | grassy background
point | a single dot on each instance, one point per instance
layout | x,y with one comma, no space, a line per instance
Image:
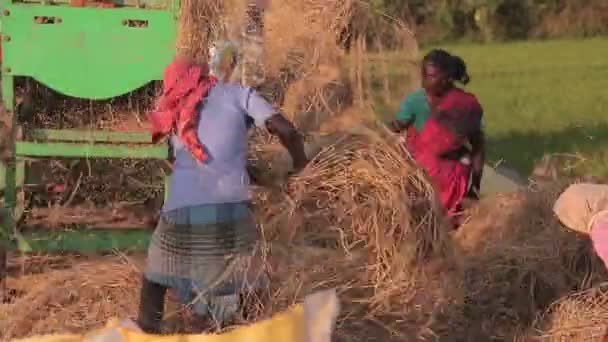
539,98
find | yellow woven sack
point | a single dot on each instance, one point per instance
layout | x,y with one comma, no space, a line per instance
311,321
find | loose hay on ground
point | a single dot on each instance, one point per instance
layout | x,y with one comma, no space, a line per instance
72,296
519,260
360,218
581,317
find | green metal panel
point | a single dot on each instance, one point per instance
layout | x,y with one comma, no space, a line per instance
7,216
89,53
67,150
89,136
20,174
85,240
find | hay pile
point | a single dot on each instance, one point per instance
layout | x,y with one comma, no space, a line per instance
303,67
519,260
363,200
63,294
74,294
361,218
579,317
314,28
198,25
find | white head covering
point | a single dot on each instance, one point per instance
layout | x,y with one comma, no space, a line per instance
580,205
222,52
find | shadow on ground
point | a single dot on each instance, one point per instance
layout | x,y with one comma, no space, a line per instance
522,150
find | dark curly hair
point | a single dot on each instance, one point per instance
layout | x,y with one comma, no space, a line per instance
451,65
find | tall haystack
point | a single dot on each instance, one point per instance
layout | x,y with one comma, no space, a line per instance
303,57
199,24
373,218
316,56
361,217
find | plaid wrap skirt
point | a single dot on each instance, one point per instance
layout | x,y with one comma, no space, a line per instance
208,255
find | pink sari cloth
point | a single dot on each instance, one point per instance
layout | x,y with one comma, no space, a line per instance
456,117
410,142
599,236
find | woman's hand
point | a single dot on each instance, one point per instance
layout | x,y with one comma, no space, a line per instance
298,167
254,173
290,138
396,126
476,175
478,160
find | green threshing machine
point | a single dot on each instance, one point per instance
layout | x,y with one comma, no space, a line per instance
84,51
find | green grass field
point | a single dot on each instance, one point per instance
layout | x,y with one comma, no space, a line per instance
539,98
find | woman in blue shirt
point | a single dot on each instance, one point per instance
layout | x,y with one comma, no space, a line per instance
205,246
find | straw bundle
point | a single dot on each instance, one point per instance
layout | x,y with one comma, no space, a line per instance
361,218
234,19
272,160
303,58
364,200
579,317
519,260
198,25
303,35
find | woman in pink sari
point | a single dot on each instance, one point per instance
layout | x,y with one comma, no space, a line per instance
450,149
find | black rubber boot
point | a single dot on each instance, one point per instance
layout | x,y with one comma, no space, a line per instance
151,306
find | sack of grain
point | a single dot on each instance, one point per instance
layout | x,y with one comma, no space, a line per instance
313,320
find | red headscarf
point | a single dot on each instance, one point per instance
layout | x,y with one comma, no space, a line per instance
185,85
